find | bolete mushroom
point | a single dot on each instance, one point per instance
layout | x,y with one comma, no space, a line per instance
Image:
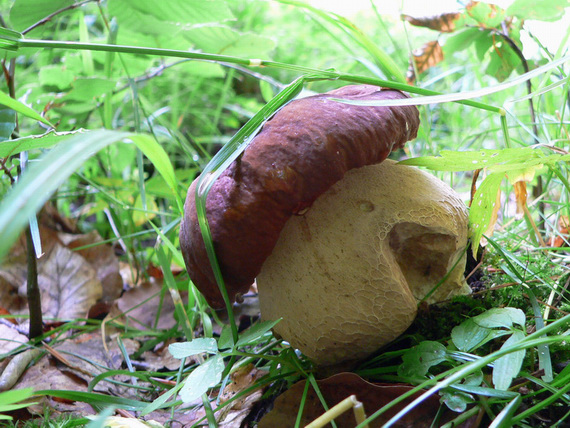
301,152
347,276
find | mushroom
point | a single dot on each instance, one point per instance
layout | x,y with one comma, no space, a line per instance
307,147
346,277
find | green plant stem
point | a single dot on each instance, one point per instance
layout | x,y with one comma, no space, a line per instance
319,74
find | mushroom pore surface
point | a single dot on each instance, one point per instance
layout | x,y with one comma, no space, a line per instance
298,154
346,276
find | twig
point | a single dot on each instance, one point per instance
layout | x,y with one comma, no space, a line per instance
57,12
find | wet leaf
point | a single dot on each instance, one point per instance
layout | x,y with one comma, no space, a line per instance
468,335
500,318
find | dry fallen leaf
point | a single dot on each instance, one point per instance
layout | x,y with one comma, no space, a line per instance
444,23
340,386
425,57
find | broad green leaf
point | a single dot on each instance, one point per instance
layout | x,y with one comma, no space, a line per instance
24,13
57,76
507,367
159,158
256,331
468,335
168,18
22,108
226,340
418,360
7,123
196,346
542,10
483,211
461,40
42,179
467,161
9,39
204,377
500,318
44,141
487,15
503,61
87,89
456,400
486,392
224,40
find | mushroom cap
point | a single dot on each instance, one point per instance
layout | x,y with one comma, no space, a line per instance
347,275
299,153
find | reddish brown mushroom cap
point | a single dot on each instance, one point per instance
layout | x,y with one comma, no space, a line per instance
301,152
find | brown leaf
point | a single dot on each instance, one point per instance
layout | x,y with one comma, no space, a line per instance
335,389
425,57
563,228
102,258
520,195
444,23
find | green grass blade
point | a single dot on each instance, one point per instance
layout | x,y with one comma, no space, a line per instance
21,108
504,419
43,178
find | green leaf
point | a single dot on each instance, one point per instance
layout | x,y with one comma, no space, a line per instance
226,340
505,418
468,335
224,40
418,360
7,123
256,331
483,208
9,39
450,160
507,367
500,318
58,76
204,377
462,40
456,400
542,10
88,89
167,18
44,141
22,108
42,179
197,346
488,15
24,13
159,158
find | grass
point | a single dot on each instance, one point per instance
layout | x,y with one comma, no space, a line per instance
178,119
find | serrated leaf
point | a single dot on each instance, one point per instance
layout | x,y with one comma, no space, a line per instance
197,346
468,335
256,331
168,18
204,377
22,108
541,10
418,360
500,318
450,160
221,39
484,209
44,141
24,13
507,367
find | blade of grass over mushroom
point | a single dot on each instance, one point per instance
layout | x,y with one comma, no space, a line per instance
219,163
43,178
